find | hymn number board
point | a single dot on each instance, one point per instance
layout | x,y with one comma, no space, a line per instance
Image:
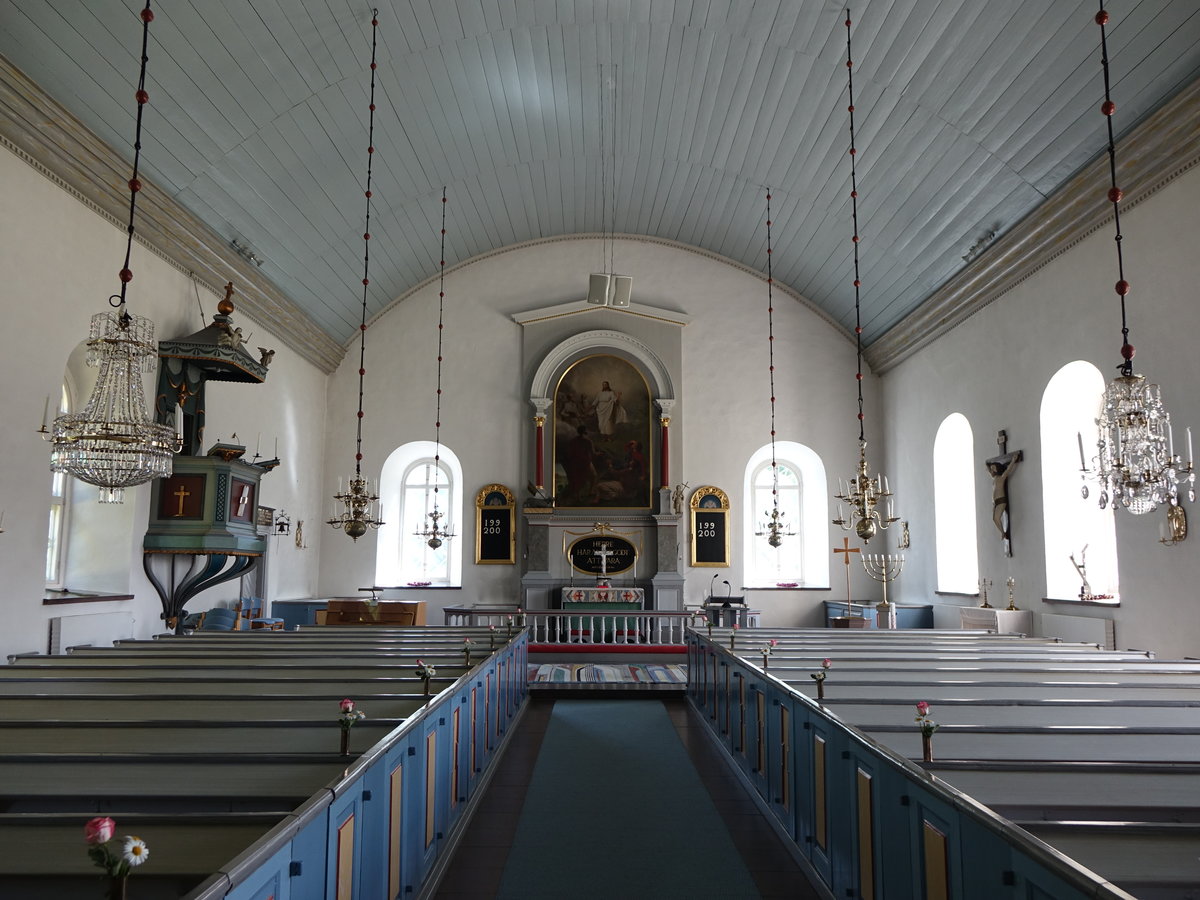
495,521
710,526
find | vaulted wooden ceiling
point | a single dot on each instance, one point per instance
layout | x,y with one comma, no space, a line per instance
969,112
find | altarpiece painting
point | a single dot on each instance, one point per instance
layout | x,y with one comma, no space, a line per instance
602,419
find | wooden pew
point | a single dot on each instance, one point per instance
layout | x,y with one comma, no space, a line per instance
234,739
1092,750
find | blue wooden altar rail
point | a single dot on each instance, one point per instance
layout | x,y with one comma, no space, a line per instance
388,826
869,822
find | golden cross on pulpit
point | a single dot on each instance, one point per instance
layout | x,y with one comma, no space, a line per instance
846,549
181,494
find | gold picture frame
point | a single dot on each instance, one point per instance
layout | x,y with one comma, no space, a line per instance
495,526
709,507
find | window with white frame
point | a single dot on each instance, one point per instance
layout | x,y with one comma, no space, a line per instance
410,483
804,502
957,532
56,537
1070,405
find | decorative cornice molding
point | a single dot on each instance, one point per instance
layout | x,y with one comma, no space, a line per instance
1164,146
45,135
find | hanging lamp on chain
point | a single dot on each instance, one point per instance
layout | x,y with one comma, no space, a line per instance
773,528
359,499
434,532
1136,464
113,442
861,498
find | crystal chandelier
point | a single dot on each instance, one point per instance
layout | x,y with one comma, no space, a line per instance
113,443
860,500
359,501
434,532
773,527
1136,465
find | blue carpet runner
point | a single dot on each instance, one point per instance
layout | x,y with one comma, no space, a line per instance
617,811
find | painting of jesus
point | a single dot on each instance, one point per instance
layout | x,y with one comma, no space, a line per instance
602,435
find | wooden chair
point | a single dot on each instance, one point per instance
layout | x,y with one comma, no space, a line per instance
220,619
251,608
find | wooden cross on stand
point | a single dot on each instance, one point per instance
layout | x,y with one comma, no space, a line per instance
846,549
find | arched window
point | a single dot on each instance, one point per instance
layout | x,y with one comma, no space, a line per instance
60,504
1068,419
954,506
804,502
406,497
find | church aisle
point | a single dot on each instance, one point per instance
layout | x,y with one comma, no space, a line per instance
616,799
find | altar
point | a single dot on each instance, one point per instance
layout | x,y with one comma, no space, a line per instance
597,597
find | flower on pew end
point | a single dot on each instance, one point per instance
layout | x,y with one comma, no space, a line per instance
928,726
98,833
99,830
425,670
349,714
826,665
134,851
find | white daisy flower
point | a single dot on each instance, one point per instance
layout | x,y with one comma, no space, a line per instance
135,852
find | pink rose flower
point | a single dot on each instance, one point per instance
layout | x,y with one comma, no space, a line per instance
347,705
923,708
826,663
99,830
773,642
736,626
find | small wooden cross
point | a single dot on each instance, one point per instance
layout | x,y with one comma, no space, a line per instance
181,494
846,550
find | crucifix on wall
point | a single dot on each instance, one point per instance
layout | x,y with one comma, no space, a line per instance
1001,469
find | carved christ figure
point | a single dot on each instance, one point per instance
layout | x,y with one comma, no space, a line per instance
1001,469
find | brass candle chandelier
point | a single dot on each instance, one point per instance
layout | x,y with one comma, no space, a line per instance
865,501
1136,464
113,442
359,498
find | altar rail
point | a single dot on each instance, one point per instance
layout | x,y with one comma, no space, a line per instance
650,628
865,818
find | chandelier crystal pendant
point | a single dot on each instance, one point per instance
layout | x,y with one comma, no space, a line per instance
113,442
1136,464
435,533
359,501
861,501
773,527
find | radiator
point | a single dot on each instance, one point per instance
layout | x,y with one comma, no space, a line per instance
93,629
1080,629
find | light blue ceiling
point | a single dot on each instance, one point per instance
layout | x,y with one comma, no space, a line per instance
970,112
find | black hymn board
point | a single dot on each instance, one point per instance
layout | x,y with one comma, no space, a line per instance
710,527
495,532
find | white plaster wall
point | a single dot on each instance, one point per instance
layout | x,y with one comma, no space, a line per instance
58,265
994,367
721,419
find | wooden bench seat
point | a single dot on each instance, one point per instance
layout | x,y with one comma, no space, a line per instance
936,692
93,775
1028,713
193,737
233,708
190,847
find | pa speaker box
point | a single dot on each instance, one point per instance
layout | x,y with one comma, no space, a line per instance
622,288
598,289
